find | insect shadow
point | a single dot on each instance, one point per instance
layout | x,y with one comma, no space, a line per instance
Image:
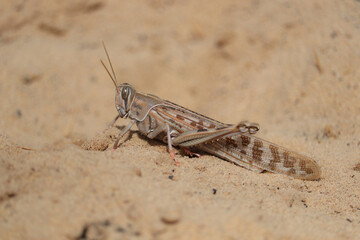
156,142
129,136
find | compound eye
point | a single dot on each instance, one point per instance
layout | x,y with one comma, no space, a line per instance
125,93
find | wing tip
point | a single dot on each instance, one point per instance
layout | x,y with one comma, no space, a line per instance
312,172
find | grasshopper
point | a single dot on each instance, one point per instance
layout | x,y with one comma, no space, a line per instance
178,126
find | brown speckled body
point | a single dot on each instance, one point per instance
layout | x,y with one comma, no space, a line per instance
244,149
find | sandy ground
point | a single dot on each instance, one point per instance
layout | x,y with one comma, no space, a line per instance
291,66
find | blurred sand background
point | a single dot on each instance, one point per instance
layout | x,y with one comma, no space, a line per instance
291,66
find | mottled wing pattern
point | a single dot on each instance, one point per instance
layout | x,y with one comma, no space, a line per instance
242,149
183,119
255,153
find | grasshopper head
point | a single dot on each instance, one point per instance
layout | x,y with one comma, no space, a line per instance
124,94
124,97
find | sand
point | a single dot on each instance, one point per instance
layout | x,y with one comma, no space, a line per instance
291,66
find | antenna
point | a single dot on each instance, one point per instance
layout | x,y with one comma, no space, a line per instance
113,78
108,73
